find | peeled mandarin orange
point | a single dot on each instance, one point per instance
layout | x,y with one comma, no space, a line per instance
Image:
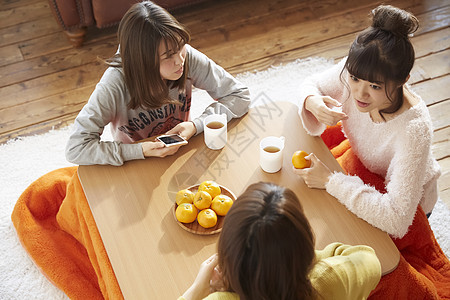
186,213
299,161
211,187
207,218
202,200
221,204
184,196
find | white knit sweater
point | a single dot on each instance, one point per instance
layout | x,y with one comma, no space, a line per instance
399,150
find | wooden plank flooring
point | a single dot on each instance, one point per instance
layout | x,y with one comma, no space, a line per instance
44,82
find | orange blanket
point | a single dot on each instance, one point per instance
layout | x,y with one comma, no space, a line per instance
56,227
424,270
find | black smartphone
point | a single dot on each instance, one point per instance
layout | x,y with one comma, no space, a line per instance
172,140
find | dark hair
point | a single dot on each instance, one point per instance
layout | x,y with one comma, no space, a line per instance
140,33
383,51
266,248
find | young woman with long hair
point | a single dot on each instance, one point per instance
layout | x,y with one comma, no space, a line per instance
146,91
266,251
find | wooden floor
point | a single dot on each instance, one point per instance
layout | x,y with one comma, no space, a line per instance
44,82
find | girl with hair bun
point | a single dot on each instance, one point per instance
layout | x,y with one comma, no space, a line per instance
387,125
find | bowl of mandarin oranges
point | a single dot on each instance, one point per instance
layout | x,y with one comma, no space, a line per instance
201,208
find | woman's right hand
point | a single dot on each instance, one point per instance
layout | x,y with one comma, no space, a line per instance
158,149
200,288
319,106
316,176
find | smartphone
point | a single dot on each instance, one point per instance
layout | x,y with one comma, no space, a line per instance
172,140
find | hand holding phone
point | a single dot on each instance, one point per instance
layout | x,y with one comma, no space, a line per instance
172,140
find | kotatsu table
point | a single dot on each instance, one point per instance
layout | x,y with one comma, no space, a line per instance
133,204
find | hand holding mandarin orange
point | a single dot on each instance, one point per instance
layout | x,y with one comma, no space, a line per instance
315,176
299,161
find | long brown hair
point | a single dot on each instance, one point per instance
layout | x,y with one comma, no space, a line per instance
266,248
383,52
143,27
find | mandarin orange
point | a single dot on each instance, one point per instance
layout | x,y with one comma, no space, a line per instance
299,161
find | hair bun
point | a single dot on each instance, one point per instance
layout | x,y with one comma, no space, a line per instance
395,20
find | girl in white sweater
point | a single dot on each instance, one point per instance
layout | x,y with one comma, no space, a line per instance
388,126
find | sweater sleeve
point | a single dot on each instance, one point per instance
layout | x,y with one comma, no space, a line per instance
393,211
326,83
345,272
232,97
84,146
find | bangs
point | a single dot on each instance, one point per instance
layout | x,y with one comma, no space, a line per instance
175,39
365,63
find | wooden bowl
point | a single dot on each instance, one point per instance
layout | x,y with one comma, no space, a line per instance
195,227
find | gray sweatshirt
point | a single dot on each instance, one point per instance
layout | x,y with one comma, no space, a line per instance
108,104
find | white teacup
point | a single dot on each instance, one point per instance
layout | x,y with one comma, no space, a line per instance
215,131
271,153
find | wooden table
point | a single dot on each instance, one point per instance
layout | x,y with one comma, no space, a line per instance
132,204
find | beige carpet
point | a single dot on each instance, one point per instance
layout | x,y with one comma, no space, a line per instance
24,160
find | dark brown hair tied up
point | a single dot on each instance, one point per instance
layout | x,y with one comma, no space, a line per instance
384,53
395,20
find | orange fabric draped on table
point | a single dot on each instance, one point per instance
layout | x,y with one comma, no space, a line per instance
55,225
424,270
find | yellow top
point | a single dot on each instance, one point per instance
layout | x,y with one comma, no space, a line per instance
341,272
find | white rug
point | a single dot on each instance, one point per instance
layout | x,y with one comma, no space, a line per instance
24,160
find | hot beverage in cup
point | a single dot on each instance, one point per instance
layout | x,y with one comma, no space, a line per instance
271,149
214,125
215,131
271,153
